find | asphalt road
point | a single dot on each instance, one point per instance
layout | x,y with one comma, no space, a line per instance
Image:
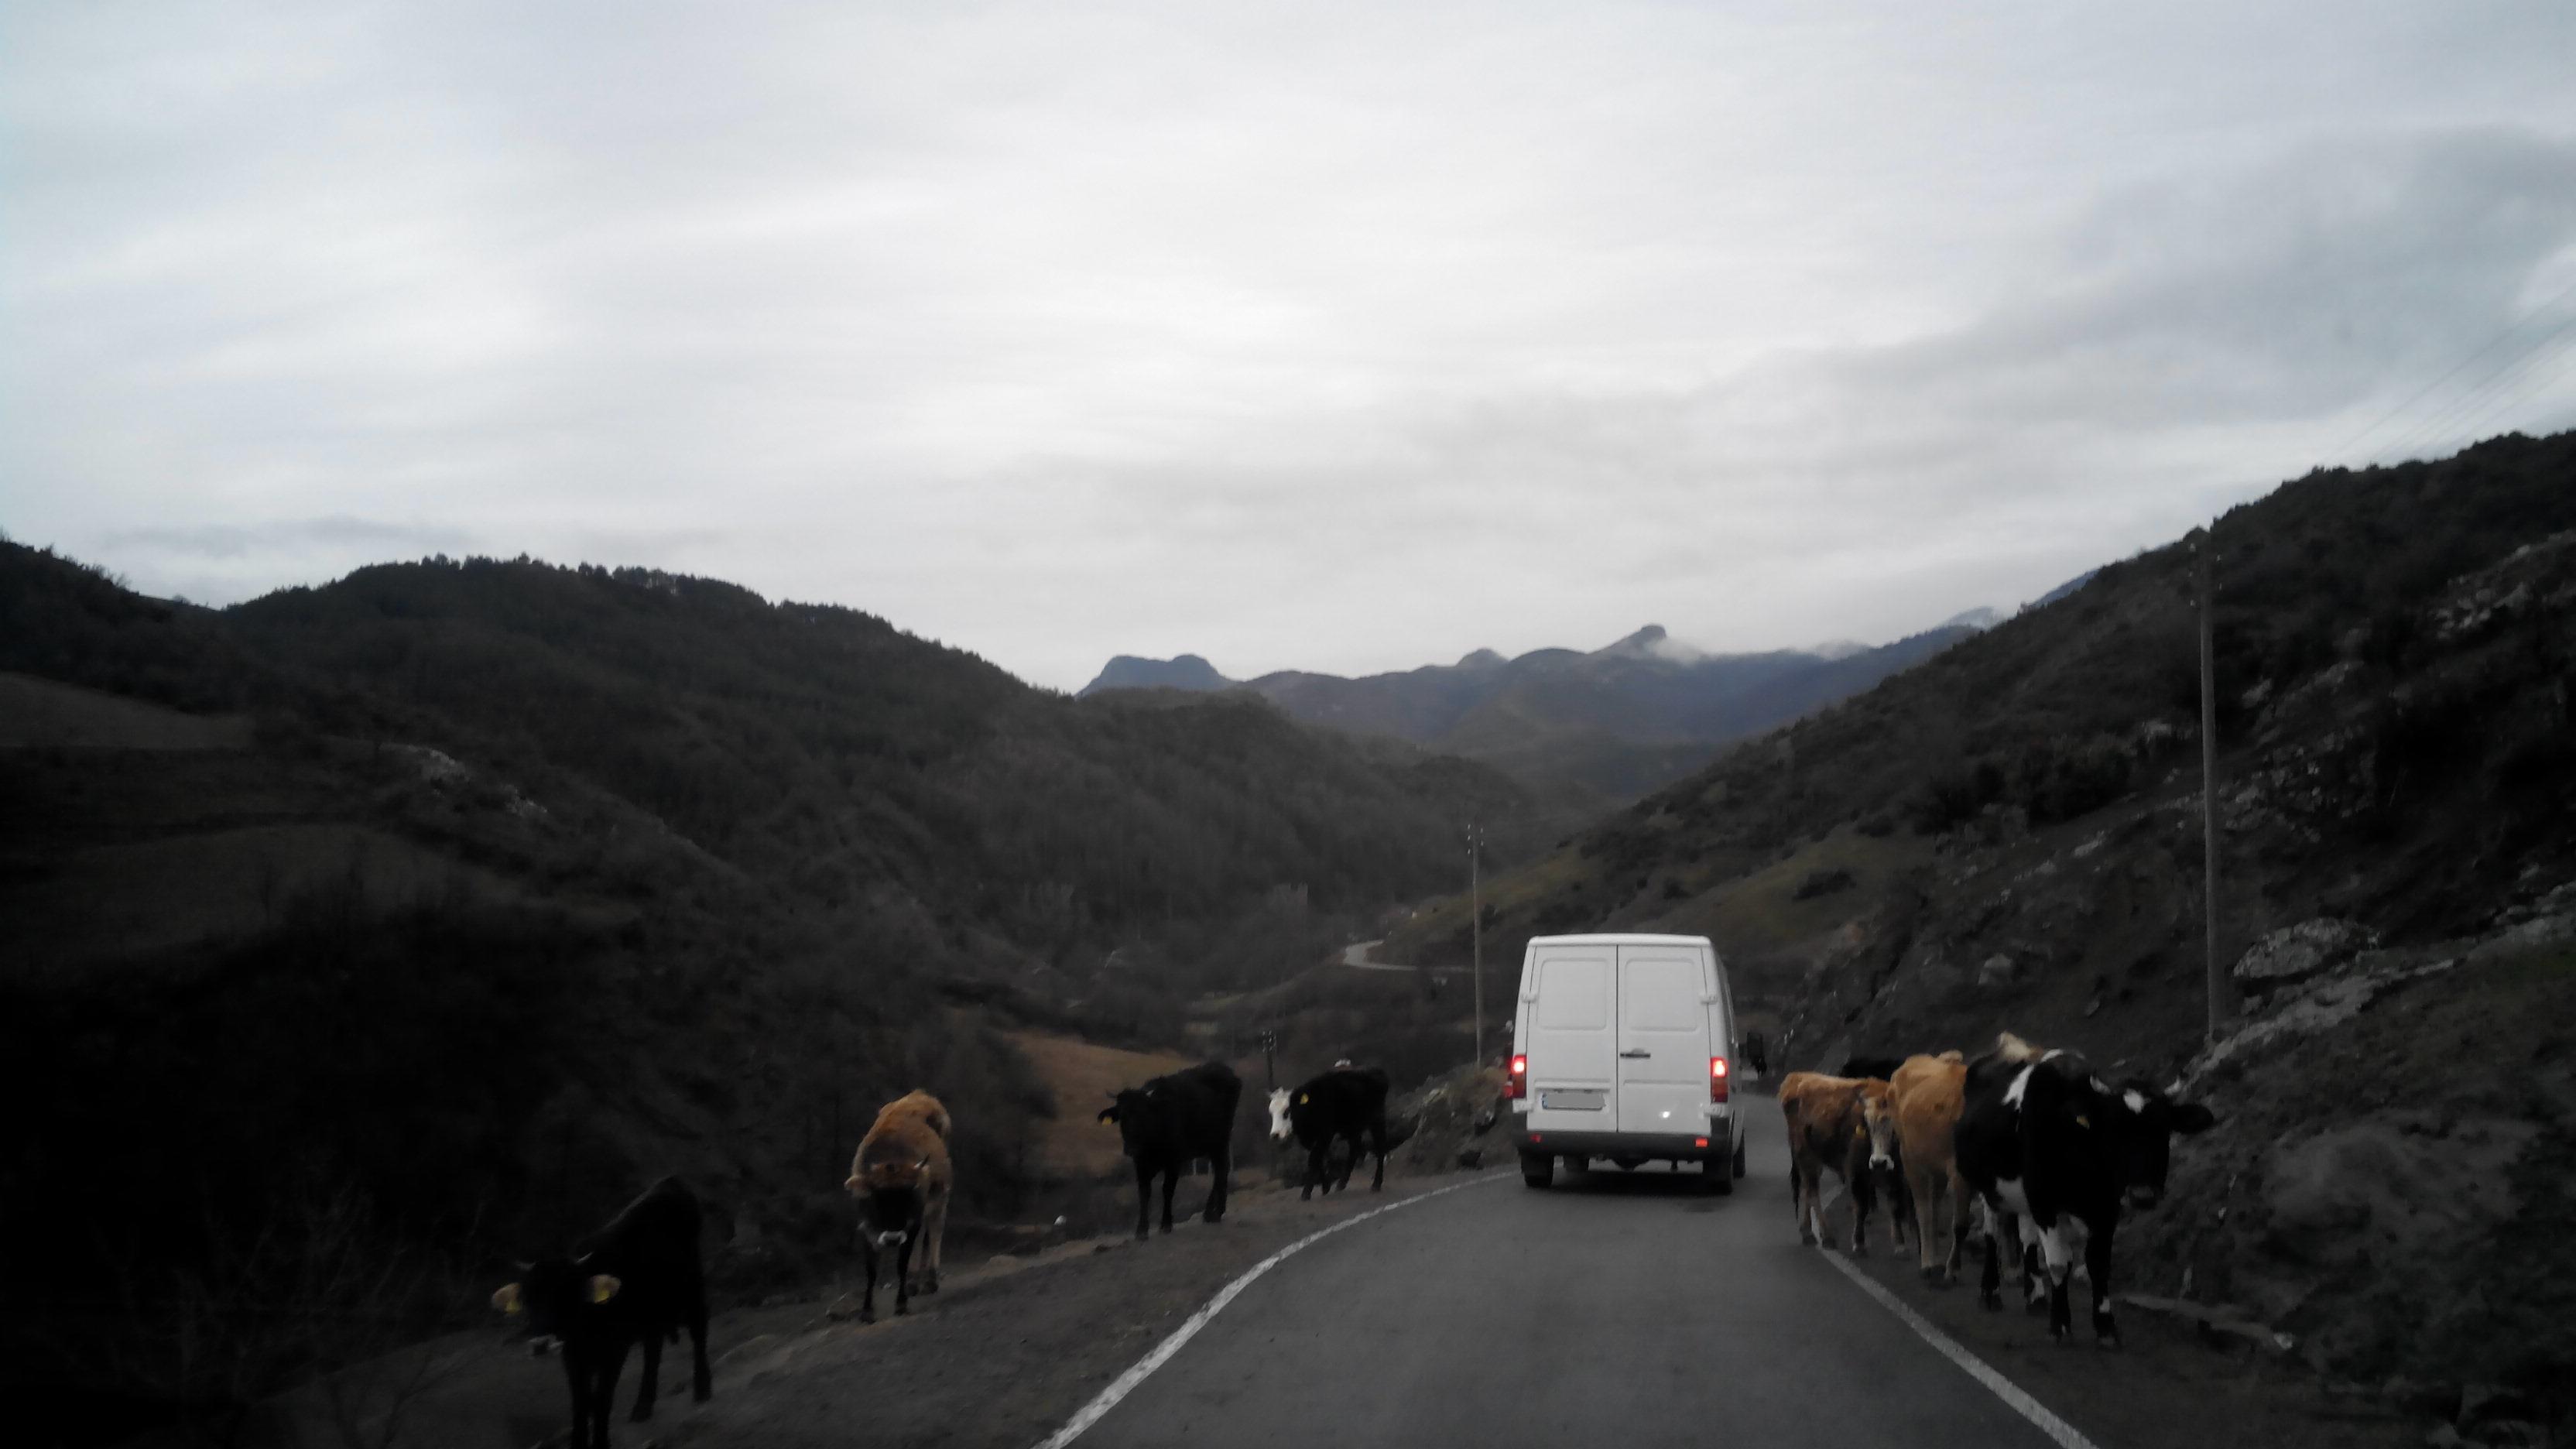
1614,1308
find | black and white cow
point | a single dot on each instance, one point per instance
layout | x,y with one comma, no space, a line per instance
1171,1122
2053,1151
1347,1103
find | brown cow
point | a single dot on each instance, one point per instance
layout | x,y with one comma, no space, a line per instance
1926,1092
902,1176
1845,1124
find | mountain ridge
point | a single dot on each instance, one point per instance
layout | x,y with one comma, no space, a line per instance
1599,726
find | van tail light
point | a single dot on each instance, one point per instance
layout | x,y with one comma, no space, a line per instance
1717,1079
1517,1086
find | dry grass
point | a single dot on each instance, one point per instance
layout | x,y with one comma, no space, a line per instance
1761,911
1081,1076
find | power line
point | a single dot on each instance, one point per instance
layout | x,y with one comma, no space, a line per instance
2547,377
2456,369
2445,417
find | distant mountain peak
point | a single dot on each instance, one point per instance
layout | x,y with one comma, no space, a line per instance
1652,642
1481,659
1839,649
1181,671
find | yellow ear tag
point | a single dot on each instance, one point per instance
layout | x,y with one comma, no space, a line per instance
603,1288
507,1300
2084,1122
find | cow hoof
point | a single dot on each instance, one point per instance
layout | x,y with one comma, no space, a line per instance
1860,1250
1307,1196
1991,1302
2108,1340
929,1284
902,1311
1167,1227
702,1395
867,1315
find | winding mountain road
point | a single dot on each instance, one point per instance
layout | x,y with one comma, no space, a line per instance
1626,1308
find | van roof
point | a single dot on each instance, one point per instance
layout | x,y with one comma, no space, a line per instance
1618,939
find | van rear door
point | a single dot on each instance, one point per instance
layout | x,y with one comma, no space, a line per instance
1572,1069
1663,1039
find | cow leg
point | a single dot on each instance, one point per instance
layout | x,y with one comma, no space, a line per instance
903,1275
1803,1193
1918,1190
603,1388
1171,1184
1958,1195
1144,1199
868,1300
1377,1135
576,1362
652,1385
934,1223
1856,1184
1351,1163
702,1385
1222,1169
1990,1284
2052,1247
1314,1175
2034,1265
2097,1266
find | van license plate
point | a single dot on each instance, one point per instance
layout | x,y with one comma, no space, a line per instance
1573,1101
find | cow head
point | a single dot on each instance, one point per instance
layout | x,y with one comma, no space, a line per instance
1279,1128
551,1296
1141,1113
890,1190
2148,1120
1878,1123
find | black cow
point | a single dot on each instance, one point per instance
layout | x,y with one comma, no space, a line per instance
2049,1146
634,1281
1346,1103
1171,1122
1873,1068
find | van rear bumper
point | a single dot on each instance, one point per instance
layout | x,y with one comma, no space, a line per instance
1655,1146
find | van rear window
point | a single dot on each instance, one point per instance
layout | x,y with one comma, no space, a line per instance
1660,993
1574,995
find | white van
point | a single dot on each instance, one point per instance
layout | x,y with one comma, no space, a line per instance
1624,1047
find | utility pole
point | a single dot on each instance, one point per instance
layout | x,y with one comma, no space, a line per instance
2221,994
1476,929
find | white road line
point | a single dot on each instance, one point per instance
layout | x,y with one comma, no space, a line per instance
2066,1434
1126,1383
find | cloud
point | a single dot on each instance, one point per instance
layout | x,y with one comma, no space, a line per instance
1057,332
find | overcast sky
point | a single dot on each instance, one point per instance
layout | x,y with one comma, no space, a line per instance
1341,338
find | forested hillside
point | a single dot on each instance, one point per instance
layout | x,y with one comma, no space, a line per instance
464,898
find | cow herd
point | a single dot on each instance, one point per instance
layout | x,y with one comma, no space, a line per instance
2019,1145
639,1281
